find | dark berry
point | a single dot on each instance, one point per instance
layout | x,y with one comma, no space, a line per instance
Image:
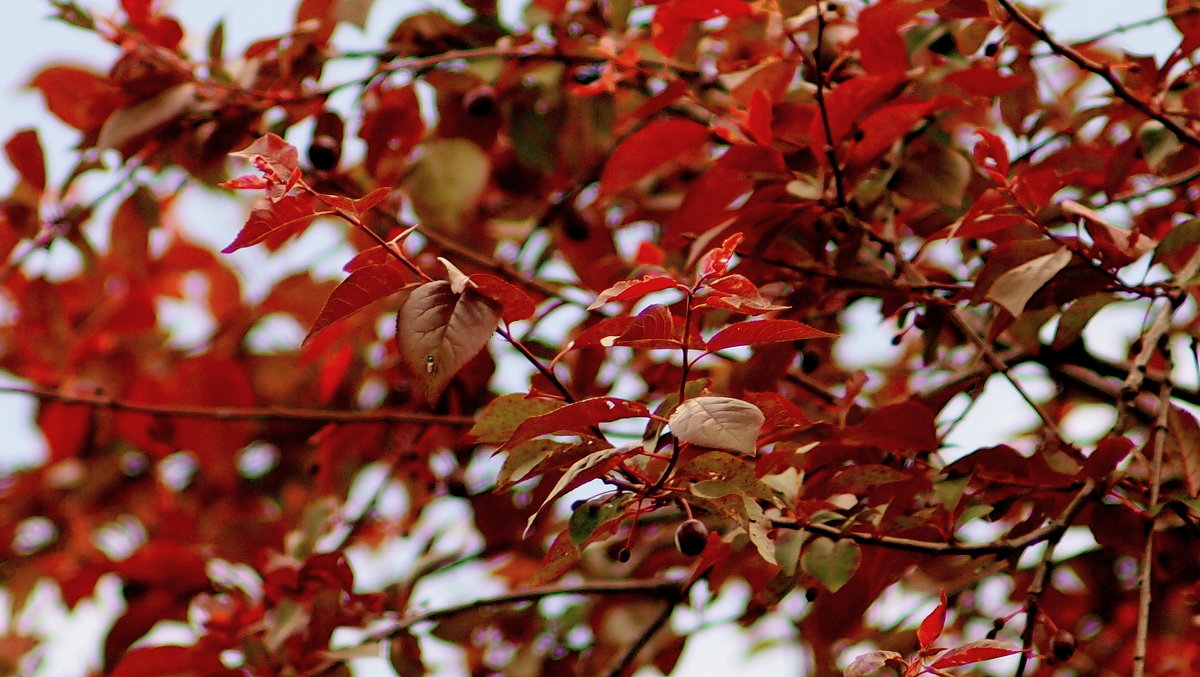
691,537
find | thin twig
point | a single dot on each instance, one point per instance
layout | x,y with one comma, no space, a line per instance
667,589
241,413
1144,578
1149,342
626,660
830,153
960,322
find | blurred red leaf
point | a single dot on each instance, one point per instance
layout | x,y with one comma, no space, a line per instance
24,151
78,97
673,18
649,148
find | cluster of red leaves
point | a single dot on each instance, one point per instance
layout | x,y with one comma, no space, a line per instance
667,216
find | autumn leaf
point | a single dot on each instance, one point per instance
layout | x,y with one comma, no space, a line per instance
931,627
361,288
125,124
974,652
1013,289
577,416
650,148
439,331
718,423
627,290
584,470
281,218
763,331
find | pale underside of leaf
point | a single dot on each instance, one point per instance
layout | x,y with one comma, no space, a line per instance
1015,287
439,331
724,423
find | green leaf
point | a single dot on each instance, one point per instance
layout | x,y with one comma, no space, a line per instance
504,414
831,562
590,516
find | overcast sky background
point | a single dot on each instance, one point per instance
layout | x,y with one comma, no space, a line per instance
29,42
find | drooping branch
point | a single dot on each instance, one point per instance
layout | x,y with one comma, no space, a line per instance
241,413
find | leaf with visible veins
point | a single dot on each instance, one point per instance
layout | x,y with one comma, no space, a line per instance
439,331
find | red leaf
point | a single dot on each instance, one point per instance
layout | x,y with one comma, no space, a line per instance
633,289
884,127
357,207
650,148
716,261
881,49
578,417
715,552
931,627
271,153
979,80
362,288
737,293
24,151
649,254
79,98
654,327
763,331
758,118
904,426
169,660
245,182
66,427
845,103
673,18
289,215
603,332
559,558
515,305
1109,453
391,126
974,652
991,147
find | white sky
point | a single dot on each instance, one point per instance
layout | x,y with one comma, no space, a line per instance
28,43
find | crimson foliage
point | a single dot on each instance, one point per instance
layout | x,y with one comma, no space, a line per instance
612,253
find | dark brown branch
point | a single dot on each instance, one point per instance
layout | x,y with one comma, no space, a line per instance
667,589
634,649
242,413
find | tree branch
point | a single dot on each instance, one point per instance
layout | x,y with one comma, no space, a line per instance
1050,532
634,649
668,589
242,413
1105,73
1144,578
